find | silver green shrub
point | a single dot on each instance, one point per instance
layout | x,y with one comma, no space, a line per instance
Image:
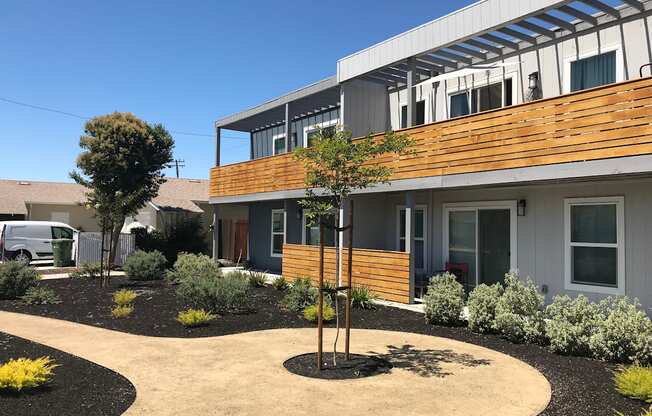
216,294
191,265
145,265
519,311
444,300
482,307
624,332
300,295
571,323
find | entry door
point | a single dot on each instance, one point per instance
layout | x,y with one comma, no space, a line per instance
482,238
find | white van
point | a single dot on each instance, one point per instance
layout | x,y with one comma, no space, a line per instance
31,240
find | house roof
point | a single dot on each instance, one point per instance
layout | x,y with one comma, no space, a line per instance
173,194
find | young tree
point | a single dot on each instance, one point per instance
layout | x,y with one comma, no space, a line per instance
335,167
121,164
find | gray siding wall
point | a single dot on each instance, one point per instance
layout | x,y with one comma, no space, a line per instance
365,107
263,139
632,41
540,240
260,228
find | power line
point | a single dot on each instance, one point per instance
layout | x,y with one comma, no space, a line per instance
66,113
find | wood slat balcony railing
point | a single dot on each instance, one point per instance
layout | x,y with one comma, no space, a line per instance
604,122
386,273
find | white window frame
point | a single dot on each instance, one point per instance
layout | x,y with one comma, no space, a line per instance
273,233
425,111
619,201
426,257
568,60
483,82
304,225
274,139
477,206
317,126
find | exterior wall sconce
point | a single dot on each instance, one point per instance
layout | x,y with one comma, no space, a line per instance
534,89
520,208
533,80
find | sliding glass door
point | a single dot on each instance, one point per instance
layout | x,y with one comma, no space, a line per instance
480,238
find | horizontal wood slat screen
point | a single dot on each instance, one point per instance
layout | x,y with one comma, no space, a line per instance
604,122
386,273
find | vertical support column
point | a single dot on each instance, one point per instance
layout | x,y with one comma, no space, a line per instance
288,127
410,205
342,121
218,140
286,207
251,145
411,96
216,232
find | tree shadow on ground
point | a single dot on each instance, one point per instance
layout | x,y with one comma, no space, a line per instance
428,362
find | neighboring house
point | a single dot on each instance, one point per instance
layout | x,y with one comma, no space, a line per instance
534,152
63,202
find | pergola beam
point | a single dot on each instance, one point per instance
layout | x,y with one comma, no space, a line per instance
500,41
556,21
484,46
635,4
578,14
469,51
453,57
518,35
536,29
602,7
439,61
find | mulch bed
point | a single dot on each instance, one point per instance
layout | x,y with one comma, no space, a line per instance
580,386
79,387
357,366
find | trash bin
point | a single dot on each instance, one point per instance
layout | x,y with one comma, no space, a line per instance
62,250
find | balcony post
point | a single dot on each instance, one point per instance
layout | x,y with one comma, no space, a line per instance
218,134
411,96
216,232
409,237
288,127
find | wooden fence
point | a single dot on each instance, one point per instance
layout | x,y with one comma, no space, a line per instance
604,122
386,273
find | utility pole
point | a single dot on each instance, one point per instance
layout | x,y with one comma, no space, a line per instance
178,163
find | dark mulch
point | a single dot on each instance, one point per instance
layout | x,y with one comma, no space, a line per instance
79,387
580,386
357,366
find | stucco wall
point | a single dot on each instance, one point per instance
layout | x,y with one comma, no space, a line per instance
80,217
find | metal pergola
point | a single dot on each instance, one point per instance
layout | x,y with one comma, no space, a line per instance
560,22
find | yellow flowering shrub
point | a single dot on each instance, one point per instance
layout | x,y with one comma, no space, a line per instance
25,373
195,317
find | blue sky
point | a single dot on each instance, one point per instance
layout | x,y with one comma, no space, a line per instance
183,64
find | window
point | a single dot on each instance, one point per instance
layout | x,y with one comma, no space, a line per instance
459,105
278,232
593,71
484,98
420,116
311,233
61,232
279,144
419,235
311,132
594,234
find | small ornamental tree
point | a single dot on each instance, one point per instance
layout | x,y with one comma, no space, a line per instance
335,167
121,164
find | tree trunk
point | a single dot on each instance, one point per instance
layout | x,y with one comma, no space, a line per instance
115,240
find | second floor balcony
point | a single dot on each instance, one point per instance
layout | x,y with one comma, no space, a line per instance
606,122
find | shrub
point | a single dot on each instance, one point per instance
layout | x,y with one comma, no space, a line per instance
144,265
280,283
635,382
124,297
87,270
482,307
225,294
186,235
647,412
362,297
300,295
310,313
15,279
257,279
192,265
122,311
39,295
570,324
191,318
444,300
519,315
624,332
25,373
